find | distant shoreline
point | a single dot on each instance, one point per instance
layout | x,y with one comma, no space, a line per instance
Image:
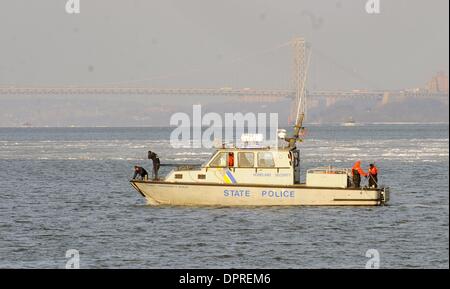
310,124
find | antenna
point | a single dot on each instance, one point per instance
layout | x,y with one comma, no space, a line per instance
301,64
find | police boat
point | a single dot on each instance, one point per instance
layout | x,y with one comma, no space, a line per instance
257,176
261,176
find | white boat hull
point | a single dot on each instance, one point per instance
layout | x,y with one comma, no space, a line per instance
209,194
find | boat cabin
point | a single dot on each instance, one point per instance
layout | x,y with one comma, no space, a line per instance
279,166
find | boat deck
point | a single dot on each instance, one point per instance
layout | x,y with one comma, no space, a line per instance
298,186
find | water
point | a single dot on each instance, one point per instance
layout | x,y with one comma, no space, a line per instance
67,188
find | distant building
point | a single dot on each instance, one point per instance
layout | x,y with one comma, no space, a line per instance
439,83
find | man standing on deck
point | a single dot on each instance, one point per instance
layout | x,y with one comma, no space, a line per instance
156,163
373,176
357,172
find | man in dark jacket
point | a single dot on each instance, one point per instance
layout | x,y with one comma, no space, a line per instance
156,163
141,172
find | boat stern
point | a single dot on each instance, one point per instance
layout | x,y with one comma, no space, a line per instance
385,195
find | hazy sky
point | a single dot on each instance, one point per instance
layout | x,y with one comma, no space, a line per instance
212,43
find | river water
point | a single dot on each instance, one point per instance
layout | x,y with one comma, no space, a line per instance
67,188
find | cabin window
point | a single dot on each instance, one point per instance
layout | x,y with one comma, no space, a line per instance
220,161
178,176
265,160
246,160
201,177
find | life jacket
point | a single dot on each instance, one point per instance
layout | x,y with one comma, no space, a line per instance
373,171
356,169
231,160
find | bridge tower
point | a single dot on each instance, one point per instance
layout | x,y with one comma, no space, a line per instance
386,98
299,79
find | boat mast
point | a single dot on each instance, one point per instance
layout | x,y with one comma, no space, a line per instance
301,63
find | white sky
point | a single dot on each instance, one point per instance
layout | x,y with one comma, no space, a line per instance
194,43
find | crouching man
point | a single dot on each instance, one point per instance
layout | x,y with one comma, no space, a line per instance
140,172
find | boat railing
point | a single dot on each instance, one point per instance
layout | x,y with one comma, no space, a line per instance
182,167
187,167
329,170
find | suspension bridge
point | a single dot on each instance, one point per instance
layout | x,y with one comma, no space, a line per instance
246,94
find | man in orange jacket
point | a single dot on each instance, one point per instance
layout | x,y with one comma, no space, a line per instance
373,176
230,160
357,172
